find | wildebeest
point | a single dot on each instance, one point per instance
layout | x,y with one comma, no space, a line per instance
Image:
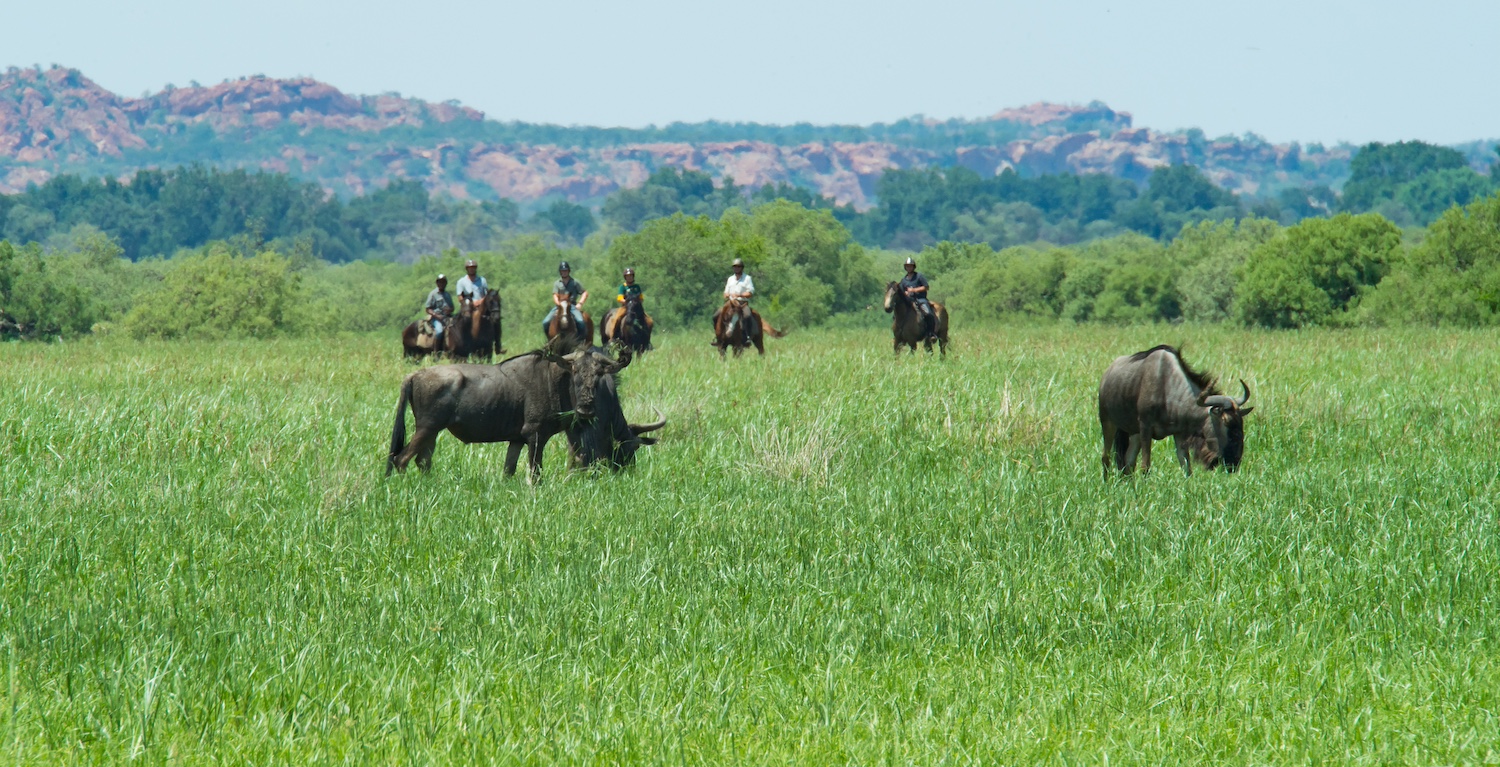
906,321
732,332
608,436
523,400
1155,394
628,325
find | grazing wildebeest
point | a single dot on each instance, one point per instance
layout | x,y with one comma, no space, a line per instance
732,332
523,400
906,321
1153,395
627,325
563,325
608,436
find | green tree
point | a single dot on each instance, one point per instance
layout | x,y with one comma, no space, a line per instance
821,248
572,222
1451,278
37,300
1210,255
1317,271
1378,171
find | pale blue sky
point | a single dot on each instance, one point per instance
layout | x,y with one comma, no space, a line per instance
1309,71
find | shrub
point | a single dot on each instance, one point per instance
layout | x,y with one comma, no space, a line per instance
221,294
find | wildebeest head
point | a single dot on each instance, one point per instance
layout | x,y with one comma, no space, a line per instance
1222,441
586,368
605,434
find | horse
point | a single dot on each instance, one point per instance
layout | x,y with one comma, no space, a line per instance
563,324
627,325
477,329
730,332
416,344
906,324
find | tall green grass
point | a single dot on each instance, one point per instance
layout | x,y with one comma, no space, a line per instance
834,555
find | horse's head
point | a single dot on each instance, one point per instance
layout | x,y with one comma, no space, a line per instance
892,293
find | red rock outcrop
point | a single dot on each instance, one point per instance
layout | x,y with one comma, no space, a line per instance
58,119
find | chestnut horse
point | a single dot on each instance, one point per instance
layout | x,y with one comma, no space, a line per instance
563,324
907,324
732,332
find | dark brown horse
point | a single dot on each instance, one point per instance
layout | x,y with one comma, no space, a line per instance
731,331
477,329
628,325
563,324
906,323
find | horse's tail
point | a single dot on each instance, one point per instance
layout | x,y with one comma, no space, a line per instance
766,326
398,432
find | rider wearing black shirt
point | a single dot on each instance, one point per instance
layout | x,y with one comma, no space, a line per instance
914,287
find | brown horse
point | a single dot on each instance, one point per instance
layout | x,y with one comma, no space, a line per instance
563,324
416,344
907,324
628,325
477,330
732,332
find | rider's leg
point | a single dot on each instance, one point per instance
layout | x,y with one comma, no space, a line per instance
578,320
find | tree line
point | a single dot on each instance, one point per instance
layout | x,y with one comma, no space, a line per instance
260,254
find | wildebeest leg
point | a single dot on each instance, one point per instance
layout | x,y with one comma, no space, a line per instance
1145,438
512,455
534,458
1182,455
423,442
1129,454
1109,445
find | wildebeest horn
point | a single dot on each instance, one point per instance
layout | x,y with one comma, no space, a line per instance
1218,400
623,361
639,428
1242,400
573,356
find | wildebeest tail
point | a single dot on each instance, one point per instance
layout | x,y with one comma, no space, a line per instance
1122,446
398,432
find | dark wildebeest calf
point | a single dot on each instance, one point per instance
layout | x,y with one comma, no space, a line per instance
1153,395
523,400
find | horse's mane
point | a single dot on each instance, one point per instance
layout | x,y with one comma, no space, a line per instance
1203,381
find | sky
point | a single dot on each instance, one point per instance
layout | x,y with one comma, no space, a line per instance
1310,71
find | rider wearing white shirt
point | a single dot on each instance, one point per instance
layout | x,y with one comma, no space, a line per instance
472,287
738,290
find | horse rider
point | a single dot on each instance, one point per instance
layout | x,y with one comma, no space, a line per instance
569,295
738,290
471,287
438,308
914,287
627,291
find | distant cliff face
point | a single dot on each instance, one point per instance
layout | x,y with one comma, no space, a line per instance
57,121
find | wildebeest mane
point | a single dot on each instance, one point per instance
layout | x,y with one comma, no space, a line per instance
1203,381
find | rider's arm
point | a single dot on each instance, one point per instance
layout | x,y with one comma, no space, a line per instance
584,296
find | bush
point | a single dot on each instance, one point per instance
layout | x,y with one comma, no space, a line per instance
38,300
1316,272
1451,278
221,294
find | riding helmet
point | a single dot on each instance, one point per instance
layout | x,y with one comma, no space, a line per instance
564,265
442,278
470,262
910,261
629,270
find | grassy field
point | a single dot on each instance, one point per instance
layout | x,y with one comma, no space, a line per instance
832,557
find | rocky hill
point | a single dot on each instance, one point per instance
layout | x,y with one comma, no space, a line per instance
57,120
